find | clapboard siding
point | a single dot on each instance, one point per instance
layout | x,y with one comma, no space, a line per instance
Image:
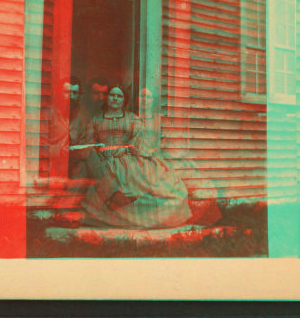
11,111
207,131
11,89
11,29
10,175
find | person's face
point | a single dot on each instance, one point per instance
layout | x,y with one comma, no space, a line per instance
98,94
145,99
71,93
115,99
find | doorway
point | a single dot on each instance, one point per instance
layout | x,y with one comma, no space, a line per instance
105,42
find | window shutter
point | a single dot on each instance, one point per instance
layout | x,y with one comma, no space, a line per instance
208,132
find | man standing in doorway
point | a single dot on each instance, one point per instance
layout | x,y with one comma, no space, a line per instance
70,128
96,95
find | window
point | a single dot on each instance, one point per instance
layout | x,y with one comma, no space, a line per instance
282,55
253,50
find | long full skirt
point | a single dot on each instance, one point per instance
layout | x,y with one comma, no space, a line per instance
136,192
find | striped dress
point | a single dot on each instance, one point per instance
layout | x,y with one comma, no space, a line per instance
137,190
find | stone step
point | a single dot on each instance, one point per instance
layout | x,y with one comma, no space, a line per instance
97,236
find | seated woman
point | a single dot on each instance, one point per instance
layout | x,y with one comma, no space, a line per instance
135,188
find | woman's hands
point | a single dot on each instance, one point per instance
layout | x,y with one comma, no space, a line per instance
119,152
115,153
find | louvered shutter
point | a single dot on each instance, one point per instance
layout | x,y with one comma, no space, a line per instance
38,66
11,92
208,132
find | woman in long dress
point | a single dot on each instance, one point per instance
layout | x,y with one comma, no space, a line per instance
135,188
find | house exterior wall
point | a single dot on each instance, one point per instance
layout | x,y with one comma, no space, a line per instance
210,131
12,133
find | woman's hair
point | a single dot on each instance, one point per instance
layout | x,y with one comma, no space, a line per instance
126,96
